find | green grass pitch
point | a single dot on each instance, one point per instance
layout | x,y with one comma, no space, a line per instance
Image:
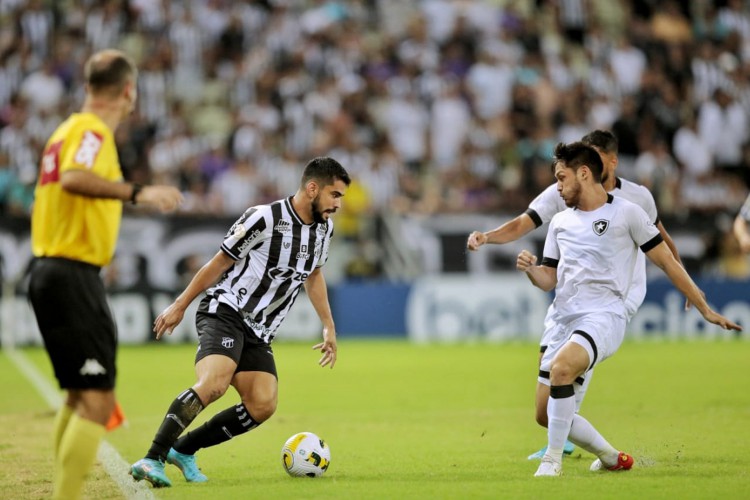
424,421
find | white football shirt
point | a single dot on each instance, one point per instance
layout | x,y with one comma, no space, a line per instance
595,255
548,203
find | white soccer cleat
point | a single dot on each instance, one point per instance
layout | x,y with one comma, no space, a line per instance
549,468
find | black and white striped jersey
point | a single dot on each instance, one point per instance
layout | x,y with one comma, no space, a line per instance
274,253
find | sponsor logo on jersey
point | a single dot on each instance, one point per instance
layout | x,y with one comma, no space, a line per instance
302,254
227,342
92,367
88,149
601,226
260,330
283,226
248,241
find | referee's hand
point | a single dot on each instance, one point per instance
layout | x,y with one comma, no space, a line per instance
164,198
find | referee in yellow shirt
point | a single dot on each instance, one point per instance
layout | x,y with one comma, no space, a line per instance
74,228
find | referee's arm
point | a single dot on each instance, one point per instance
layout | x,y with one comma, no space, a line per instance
85,183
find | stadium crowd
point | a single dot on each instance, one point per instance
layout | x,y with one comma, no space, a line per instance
436,106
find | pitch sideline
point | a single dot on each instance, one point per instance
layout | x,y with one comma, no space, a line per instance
115,466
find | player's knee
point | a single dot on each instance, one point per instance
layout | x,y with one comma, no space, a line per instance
261,410
562,373
210,390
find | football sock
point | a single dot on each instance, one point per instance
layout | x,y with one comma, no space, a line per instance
581,392
76,456
62,418
585,435
561,408
181,413
223,426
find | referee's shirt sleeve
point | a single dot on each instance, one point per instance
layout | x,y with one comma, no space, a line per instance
250,230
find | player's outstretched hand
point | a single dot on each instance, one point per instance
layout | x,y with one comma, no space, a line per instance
689,304
525,261
476,240
164,198
328,348
718,319
168,320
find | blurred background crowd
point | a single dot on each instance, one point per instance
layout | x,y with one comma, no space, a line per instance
434,106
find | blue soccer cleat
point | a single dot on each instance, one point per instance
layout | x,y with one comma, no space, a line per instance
186,464
152,471
567,450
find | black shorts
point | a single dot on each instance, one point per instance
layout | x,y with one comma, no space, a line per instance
71,309
224,332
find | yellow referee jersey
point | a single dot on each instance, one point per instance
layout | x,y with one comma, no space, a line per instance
69,225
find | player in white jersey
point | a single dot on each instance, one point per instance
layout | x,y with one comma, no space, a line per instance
589,259
265,259
543,208
740,228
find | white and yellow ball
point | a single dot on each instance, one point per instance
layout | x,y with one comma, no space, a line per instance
305,454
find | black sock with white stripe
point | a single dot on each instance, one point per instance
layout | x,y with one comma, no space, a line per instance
223,426
180,415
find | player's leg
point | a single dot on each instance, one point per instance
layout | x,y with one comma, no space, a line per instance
214,373
599,346
220,343
569,363
554,335
259,394
256,383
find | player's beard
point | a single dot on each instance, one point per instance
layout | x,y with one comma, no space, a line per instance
573,197
317,213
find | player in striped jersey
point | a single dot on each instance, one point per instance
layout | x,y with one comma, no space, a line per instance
251,283
589,260
541,210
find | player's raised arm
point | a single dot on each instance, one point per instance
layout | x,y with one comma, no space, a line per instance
661,256
510,231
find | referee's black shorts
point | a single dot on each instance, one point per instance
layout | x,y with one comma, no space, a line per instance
76,323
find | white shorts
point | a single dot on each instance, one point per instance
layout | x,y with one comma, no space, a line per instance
601,334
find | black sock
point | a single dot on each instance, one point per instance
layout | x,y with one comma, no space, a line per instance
181,413
223,426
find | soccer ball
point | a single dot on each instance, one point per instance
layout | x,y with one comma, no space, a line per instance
305,454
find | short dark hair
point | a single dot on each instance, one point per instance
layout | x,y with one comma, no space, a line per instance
603,140
325,170
577,154
107,71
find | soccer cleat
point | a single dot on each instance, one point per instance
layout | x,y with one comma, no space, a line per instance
186,464
624,462
567,450
548,468
152,471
